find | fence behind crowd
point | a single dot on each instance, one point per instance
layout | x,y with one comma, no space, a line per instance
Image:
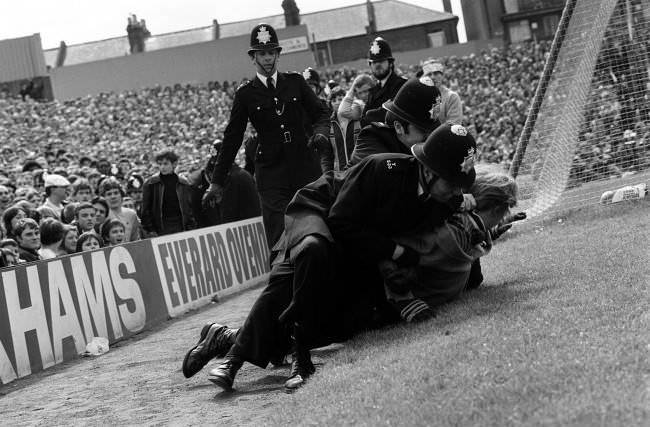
50,310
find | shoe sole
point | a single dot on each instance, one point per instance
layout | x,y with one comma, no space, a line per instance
220,382
204,332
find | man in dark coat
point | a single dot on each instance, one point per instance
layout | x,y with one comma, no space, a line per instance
342,221
239,201
277,104
382,65
166,199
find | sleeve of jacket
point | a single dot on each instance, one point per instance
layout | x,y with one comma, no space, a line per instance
356,202
349,108
318,112
364,147
455,110
190,220
136,229
147,201
232,138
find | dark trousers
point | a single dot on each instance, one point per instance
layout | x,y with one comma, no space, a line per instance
274,203
300,290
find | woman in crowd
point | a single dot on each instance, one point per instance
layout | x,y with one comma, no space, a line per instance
88,241
69,242
10,219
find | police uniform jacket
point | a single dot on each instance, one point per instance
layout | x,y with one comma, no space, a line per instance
282,160
361,207
380,94
374,139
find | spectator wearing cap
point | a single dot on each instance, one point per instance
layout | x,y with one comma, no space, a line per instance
449,107
56,191
112,191
382,65
239,201
166,199
28,237
408,121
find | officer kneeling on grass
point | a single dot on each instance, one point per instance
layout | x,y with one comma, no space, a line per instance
325,283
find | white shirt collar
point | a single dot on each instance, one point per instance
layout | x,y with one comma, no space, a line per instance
274,76
383,81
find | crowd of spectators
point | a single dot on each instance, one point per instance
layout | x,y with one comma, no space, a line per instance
116,134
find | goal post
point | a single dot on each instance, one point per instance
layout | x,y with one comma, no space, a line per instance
588,125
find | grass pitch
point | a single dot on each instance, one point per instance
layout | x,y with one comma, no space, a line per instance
557,335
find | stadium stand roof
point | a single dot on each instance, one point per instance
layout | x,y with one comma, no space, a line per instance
325,25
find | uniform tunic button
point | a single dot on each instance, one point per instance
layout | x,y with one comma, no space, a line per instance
294,99
281,126
258,108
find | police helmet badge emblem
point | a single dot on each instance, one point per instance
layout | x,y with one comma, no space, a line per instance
374,48
306,75
263,35
459,130
426,80
468,161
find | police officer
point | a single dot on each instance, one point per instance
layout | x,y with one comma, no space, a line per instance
409,120
316,290
382,65
278,105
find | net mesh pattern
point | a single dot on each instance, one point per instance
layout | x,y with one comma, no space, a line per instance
590,131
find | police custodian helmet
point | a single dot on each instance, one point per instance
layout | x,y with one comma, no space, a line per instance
380,51
263,37
450,152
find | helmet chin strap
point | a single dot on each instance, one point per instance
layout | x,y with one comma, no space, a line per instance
275,60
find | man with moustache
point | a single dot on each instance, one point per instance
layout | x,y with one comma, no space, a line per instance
278,105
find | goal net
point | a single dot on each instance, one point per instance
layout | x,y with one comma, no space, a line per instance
588,129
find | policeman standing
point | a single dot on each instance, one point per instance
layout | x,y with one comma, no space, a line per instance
382,65
277,105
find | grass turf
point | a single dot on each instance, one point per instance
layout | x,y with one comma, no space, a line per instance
557,335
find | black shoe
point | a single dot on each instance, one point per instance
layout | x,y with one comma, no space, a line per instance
215,341
301,369
224,374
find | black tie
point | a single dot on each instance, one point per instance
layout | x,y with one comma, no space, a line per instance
269,83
